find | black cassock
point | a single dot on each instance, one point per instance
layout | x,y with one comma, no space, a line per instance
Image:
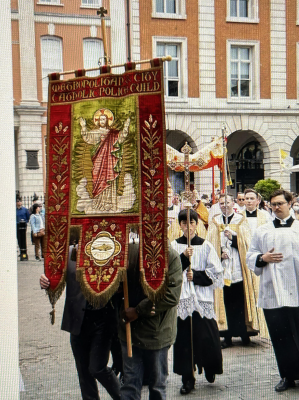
207,353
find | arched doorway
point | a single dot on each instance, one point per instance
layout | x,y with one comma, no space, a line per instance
246,159
177,139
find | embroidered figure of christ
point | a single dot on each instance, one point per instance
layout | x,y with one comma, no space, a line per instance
106,152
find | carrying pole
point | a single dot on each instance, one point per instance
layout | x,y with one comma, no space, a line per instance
128,325
186,150
102,12
224,169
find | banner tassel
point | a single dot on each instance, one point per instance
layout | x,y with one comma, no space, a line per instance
52,315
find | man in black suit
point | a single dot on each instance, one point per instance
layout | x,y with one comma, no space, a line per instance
92,331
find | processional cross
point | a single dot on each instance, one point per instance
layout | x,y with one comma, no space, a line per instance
186,150
102,12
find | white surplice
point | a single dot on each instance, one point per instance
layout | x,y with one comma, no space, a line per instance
195,297
279,282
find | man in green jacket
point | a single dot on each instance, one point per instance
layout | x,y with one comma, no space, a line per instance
153,330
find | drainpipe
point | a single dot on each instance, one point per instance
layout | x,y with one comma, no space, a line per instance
128,30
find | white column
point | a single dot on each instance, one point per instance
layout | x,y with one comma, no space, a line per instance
30,112
118,34
207,58
27,53
30,138
9,354
278,52
135,30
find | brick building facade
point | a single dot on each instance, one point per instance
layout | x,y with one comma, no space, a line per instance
234,62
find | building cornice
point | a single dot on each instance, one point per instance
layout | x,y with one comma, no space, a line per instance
30,110
69,19
221,111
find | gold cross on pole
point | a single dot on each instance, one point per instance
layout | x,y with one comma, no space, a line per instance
186,150
102,12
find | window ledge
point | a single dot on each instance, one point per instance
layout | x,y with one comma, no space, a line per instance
172,99
89,7
243,20
243,101
169,16
50,4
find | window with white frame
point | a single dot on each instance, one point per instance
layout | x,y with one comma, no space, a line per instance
91,3
93,50
243,71
49,2
175,71
169,9
242,11
171,69
51,60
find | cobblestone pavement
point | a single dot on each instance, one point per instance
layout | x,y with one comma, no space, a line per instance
49,373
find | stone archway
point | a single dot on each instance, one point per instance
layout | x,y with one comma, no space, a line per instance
246,152
177,139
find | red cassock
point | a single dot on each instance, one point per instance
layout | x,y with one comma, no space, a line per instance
104,162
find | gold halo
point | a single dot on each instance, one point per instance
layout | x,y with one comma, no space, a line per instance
103,111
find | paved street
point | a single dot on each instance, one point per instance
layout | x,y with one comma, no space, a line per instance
49,373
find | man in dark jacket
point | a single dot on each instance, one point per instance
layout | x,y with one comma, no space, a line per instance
153,330
92,333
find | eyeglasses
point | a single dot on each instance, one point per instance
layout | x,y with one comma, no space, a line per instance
240,199
279,204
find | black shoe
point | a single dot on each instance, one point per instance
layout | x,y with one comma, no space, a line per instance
210,377
187,387
226,343
37,258
284,384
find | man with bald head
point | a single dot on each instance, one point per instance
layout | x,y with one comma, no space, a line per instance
236,303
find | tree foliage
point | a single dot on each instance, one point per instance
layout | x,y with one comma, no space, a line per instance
266,186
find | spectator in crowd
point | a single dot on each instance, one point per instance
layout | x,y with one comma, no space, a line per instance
295,207
22,214
34,201
37,223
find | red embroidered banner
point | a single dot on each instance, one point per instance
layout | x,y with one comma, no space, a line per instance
106,163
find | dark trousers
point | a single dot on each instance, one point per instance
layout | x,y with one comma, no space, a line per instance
283,326
207,353
235,312
91,350
154,361
39,243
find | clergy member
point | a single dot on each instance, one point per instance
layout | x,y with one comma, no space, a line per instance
197,302
274,256
254,216
240,202
236,303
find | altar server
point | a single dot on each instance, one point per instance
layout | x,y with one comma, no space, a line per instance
274,256
197,302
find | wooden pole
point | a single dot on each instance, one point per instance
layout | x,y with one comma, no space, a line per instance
186,150
101,12
224,170
164,59
213,183
128,325
213,179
